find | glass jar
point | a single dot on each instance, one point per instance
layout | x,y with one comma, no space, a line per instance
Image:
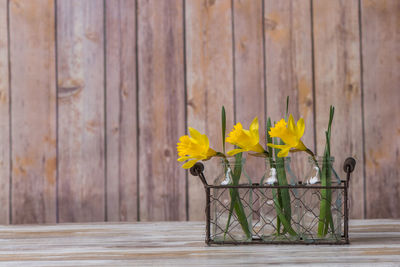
322,208
278,204
231,208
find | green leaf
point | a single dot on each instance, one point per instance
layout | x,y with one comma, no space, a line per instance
223,121
231,206
240,213
287,108
325,217
269,139
284,192
238,168
282,216
236,204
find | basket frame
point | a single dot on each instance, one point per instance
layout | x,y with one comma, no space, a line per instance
348,167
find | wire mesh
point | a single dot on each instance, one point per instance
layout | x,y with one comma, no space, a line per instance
260,204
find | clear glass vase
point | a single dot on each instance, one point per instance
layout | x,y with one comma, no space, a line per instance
279,205
231,208
322,208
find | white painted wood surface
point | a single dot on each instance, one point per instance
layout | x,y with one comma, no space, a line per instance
374,242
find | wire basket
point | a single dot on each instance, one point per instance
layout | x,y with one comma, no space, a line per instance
263,218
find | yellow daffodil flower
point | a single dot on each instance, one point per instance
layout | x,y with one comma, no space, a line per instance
290,135
194,148
247,140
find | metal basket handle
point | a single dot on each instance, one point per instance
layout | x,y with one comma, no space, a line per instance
348,166
197,170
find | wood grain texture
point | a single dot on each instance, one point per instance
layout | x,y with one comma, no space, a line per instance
288,52
33,109
162,109
337,83
5,118
381,65
88,134
81,110
373,243
249,74
121,110
209,62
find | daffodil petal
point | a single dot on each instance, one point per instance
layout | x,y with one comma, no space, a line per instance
301,146
189,164
184,158
284,152
181,159
254,126
206,142
257,148
247,133
277,146
291,125
235,151
300,127
195,134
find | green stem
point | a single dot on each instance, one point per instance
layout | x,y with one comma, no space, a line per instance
324,205
236,203
284,192
308,151
281,215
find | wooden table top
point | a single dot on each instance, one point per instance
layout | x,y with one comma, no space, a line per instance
374,242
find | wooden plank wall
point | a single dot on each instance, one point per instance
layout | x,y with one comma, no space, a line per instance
94,95
33,111
81,120
121,115
5,117
380,25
